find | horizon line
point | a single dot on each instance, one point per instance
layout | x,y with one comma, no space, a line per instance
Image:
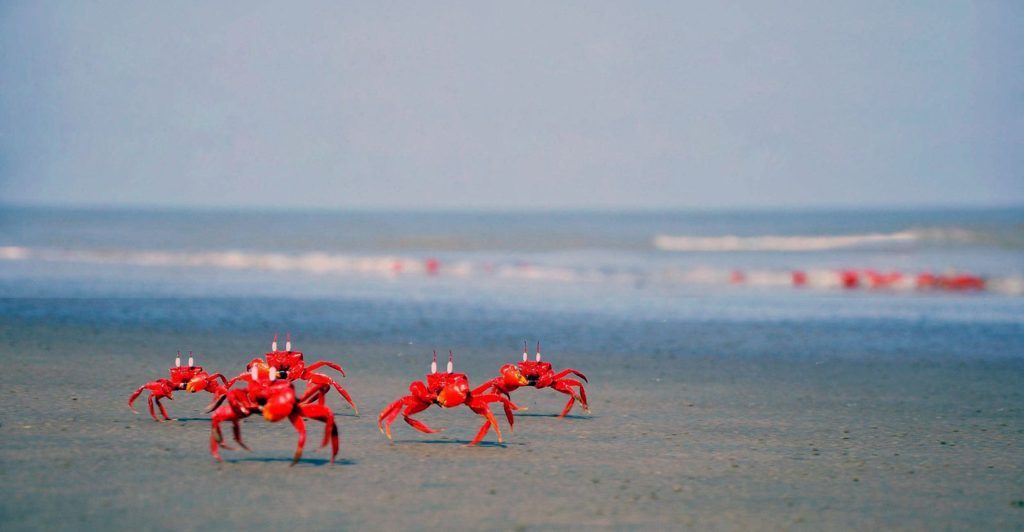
157,207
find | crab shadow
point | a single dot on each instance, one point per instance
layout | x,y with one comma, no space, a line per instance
318,462
207,419
567,416
493,444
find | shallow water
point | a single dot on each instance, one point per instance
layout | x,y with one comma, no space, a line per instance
297,251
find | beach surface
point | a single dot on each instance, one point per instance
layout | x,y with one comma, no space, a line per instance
696,423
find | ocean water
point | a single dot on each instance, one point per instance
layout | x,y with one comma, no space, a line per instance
605,280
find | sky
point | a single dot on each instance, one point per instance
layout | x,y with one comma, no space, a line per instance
529,105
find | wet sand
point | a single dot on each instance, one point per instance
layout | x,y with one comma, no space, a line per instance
710,440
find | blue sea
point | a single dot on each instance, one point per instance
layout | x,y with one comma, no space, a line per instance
601,279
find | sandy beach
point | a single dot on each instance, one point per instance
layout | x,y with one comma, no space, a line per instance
678,438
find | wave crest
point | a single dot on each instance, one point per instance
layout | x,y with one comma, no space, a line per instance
779,243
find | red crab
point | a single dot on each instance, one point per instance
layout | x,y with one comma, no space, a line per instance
291,366
190,378
276,400
539,375
446,390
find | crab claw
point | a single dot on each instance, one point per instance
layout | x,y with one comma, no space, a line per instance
279,405
442,398
453,395
513,376
196,384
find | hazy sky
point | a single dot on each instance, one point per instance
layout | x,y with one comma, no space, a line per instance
550,104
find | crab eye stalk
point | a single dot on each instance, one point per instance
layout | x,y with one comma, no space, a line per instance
525,349
288,342
273,345
538,351
433,365
450,361
191,361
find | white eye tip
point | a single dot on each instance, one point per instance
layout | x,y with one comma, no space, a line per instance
449,366
525,356
538,357
191,362
177,362
433,367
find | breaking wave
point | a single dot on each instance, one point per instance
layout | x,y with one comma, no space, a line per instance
232,260
809,242
321,263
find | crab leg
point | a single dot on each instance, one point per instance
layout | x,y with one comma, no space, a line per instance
567,371
163,411
312,393
231,382
159,387
485,387
479,405
316,365
412,405
415,423
318,382
216,389
344,393
322,413
237,430
215,442
151,411
319,413
568,406
583,394
224,413
213,387
387,417
217,400
509,406
238,401
134,397
565,386
300,426
483,432
506,402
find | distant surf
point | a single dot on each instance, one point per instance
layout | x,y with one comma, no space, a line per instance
778,243
322,263
728,243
